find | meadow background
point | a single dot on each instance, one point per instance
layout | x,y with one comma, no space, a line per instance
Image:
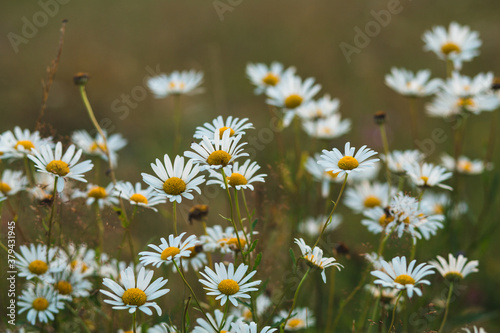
117,41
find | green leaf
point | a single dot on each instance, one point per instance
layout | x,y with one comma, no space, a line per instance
292,255
254,223
257,261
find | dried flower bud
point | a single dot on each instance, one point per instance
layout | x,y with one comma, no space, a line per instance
198,213
496,84
80,78
379,117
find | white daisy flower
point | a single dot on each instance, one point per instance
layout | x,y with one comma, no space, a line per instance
217,152
111,268
314,257
241,327
19,143
376,219
137,295
61,166
162,328
235,126
81,259
398,160
428,175
41,302
176,83
322,108
32,262
97,194
464,165
458,44
374,259
12,182
439,203
172,250
262,304
175,181
401,277
446,105
44,188
263,76
455,269
327,128
69,284
474,329
217,321
228,284
410,84
239,176
346,163
301,318
370,174
365,195
464,86
137,196
224,240
321,175
387,296
95,146
292,92
197,259
312,226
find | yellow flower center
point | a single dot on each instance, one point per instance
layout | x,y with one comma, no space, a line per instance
331,174
295,322
465,102
228,287
348,163
225,128
134,296
247,314
40,304
293,101
139,198
27,145
193,252
64,287
233,242
404,279
5,188
425,179
170,252
385,220
372,201
236,179
465,166
74,263
98,146
453,276
219,157
174,186
270,79
59,168
97,193
173,85
438,209
38,267
450,47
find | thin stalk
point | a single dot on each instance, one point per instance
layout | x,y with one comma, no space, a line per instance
237,205
449,68
413,117
384,240
134,324
447,307
177,122
175,217
374,312
385,143
394,311
100,229
331,296
282,328
29,171
53,208
184,316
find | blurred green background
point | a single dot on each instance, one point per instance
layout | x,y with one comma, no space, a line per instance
119,42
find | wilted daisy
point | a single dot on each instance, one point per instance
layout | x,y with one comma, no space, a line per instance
474,329
398,160
12,182
18,144
41,302
327,128
228,284
32,262
321,175
314,257
136,294
263,76
224,240
176,83
320,109
235,126
458,44
175,181
312,226
172,250
464,165
61,166
102,196
397,275
366,195
456,268
217,152
239,176
428,175
217,320
241,327
137,196
71,283
346,163
300,318
95,146
410,84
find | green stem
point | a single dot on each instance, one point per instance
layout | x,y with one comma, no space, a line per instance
374,313
331,297
134,324
29,171
100,229
52,211
394,311
447,307
237,205
294,299
385,143
177,122
175,218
